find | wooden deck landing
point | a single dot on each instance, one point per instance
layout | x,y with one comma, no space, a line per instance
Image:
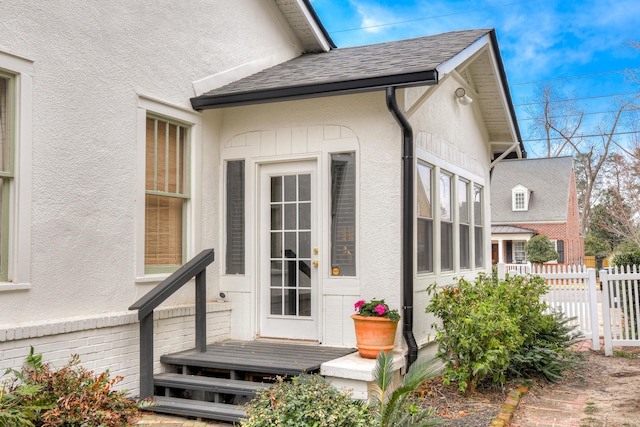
276,357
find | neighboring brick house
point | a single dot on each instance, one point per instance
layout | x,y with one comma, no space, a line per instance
531,197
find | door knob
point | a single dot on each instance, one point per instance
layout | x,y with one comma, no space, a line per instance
315,263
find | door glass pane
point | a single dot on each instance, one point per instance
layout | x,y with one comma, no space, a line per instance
290,193
290,216
276,301
305,216
305,244
276,189
305,302
276,245
276,273
276,217
304,278
304,188
290,302
290,250
290,274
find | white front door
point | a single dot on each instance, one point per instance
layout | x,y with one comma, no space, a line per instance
288,282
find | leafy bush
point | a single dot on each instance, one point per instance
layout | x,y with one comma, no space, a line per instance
631,257
38,395
546,353
306,400
486,323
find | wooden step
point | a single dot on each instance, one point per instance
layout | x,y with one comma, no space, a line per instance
197,408
217,385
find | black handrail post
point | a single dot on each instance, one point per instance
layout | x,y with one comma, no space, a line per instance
197,268
146,356
201,311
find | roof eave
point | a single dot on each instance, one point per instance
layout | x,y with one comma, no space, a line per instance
207,102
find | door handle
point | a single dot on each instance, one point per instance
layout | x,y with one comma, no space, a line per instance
315,263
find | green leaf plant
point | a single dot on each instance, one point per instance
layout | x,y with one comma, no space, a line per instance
398,408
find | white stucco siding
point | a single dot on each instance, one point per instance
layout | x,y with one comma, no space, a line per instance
93,60
313,129
451,137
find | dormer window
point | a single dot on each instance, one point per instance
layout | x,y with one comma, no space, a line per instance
520,198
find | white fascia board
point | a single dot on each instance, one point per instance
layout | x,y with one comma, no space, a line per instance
317,32
453,63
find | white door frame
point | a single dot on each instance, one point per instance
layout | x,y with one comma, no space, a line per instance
305,323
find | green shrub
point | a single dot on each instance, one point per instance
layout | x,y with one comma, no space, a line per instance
547,353
631,257
306,400
38,395
486,323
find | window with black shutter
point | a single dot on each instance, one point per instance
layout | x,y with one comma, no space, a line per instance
235,217
560,250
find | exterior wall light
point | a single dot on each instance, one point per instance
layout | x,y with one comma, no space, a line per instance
462,96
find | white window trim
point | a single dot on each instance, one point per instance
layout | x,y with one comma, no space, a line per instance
440,166
147,105
19,263
520,189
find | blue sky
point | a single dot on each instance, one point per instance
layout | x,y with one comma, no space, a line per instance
579,47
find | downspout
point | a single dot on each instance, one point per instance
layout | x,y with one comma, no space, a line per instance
407,225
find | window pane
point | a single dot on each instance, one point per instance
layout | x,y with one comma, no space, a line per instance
163,231
463,201
464,246
445,198
478,226
479,247
165,157
343,214
446,246
446,225
5,123
425,196
477,205
425,245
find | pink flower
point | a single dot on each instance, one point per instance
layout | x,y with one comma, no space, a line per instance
358,304
380,309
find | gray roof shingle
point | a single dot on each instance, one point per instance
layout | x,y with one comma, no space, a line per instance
549,179
360,68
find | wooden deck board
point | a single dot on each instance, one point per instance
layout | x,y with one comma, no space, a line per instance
260,356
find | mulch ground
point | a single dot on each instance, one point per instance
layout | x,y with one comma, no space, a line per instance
457,410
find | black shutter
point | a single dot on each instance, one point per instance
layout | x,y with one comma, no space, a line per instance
560,249
509,251
235,217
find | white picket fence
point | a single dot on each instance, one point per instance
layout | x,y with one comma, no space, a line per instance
622,313
614,312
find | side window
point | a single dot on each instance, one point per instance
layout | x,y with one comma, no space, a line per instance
425,219
343,214
519,256
7,120
235,254
464,220
446,223
166,194
478,226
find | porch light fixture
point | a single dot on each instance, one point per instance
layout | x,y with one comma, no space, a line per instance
462,96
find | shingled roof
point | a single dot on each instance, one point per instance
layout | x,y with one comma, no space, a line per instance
549,180
346,70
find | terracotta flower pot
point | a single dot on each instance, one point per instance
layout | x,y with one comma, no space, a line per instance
374,334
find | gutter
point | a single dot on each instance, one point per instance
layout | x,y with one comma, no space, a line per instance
407,224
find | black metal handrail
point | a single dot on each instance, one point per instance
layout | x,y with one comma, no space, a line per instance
196,267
